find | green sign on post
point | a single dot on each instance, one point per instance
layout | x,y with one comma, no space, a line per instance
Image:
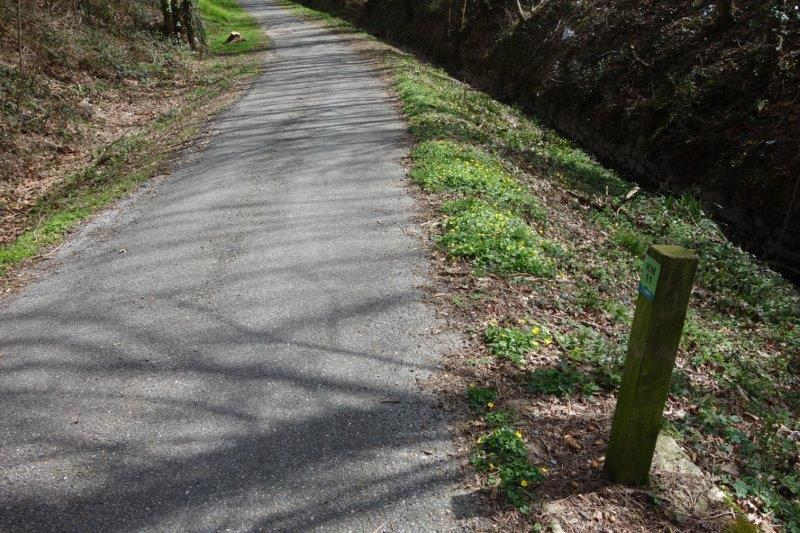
651,271
667,277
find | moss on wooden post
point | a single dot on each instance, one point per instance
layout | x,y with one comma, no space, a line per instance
664,290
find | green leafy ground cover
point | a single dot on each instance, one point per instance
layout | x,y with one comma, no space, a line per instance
503,456
494,240
469,172
514,343
501,453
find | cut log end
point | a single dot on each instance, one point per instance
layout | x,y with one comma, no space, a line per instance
235,36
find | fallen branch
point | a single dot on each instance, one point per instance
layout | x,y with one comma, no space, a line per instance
521,11
630,194
639,59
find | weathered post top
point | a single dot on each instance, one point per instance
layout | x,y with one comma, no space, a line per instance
666,283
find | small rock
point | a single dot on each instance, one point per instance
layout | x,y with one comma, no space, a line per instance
86,108
715,495
670,457
50,145
554,508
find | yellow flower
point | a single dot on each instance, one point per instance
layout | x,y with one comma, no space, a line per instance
543,469
518,434
490,405
523,483
536,330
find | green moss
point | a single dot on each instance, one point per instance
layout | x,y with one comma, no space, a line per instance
742,525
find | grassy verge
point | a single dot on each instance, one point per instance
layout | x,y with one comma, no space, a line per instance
550,237
118,168
221,17
735,385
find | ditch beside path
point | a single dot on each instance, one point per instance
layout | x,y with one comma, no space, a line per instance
239,347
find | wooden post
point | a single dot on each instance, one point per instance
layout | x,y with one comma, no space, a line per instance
664,290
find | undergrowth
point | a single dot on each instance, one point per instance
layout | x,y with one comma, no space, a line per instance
743,328
563,380
481,398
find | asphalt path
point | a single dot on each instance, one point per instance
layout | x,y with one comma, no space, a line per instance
239,346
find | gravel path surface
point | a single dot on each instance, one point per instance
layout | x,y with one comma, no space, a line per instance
237,348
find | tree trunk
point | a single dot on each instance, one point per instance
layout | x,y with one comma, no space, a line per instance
19,35
200,30
188,23
725,16
449,17
166,12
409,9
173,18
21,64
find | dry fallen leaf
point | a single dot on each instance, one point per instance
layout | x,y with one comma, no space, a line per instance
537,449
572,442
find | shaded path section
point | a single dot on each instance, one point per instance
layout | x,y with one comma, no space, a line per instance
250,362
